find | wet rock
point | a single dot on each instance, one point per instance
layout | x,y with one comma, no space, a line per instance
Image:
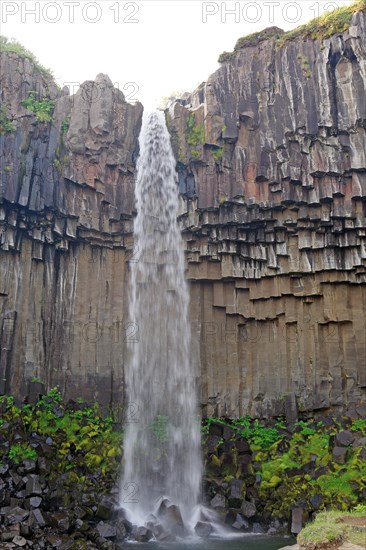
316,501
105,508
360,442
219,501
19,541
54,540
16,515
35,502
171,518
143,534
60,520
9,535
340,454
107,530
33,486
242,446
298,519
36,519
228,433
258,529
203,529
248,509
344,438
29,466
240,523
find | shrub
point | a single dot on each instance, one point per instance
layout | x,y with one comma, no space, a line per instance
43,109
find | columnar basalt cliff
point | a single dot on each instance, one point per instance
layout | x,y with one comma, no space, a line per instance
272,158
67,197
271,155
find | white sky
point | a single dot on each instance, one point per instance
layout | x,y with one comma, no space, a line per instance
168,47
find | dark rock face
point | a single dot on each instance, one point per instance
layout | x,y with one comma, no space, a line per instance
66,201
275,226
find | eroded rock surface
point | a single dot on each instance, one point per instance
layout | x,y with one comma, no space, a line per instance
67,198
272,160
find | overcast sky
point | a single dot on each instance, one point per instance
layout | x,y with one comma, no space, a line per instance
149,48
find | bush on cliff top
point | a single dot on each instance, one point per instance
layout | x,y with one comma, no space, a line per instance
331,22
12,45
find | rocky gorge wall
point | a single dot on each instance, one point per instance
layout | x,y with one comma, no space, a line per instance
66,233
272,159
271,156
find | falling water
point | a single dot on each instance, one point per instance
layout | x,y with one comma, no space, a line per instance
162,455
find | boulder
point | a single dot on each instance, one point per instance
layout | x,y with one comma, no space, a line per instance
344,438
107,530
143,534
248,509
203,529
298,519
240,523
339,454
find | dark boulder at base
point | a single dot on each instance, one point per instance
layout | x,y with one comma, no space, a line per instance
203,529
143,534
248,509
298,518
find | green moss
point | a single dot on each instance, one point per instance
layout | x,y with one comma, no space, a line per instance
7,45
6,124
195,136
58,165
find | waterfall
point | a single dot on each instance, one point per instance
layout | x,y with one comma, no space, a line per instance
162,443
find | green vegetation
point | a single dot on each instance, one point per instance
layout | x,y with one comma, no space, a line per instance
11,45
65,125
285,480
18,453
43,109
218,153
293,463
336,21
258,435
195,136
288,463
81,437
6,124
334,527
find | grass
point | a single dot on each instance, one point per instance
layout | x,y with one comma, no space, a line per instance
336,21
11,45
332,22
329,527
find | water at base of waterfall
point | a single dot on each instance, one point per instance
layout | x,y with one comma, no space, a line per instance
245,542
162,465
